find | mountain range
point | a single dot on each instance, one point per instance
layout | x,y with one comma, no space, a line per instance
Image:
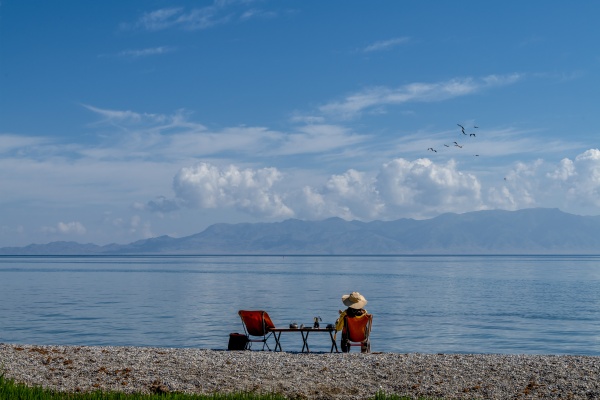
527,231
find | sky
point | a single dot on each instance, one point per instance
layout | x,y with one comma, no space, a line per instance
125,120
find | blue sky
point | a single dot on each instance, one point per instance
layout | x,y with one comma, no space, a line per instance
126,120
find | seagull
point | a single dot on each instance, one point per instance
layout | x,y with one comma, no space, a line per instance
457,145
471,134
432,149
446,145
462,128
475,127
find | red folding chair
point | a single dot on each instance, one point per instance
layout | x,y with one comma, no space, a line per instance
356,332
257,323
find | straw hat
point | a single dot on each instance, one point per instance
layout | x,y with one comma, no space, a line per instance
354,300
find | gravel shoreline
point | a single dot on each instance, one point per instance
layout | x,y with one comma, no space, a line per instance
304,376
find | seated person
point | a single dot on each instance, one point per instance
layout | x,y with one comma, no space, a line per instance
355,303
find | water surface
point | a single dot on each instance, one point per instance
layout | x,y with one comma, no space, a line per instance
430,304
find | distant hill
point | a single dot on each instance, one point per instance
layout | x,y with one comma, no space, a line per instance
529,231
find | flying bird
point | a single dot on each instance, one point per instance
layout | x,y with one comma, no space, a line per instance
471,134
457,145
475,127
446,145
432,149
462,128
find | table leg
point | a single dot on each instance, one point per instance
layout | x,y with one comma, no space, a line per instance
305,340
333,343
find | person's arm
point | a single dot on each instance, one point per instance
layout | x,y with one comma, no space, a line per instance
339,323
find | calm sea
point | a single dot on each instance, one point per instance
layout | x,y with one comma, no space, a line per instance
428,304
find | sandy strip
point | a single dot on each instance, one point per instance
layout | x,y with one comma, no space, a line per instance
306,376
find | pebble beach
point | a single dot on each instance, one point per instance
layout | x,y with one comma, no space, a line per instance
302,376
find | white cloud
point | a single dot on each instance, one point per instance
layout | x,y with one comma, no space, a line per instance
351,195
570,184
424,188
386,44
217,13
66,228
10,142
400,188
207,186
152,51
520,187
580,178
176,135
159,19
318,138
127,116
564,170
422,92
257,13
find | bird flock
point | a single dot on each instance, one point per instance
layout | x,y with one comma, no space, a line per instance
455,143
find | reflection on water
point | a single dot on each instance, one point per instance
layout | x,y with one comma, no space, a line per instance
472,304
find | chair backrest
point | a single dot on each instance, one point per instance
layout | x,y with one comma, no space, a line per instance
359,328
257,322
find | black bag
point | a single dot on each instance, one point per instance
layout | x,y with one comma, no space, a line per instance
237,341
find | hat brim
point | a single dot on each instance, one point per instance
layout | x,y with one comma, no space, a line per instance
357,305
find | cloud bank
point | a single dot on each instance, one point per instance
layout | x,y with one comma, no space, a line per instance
399,188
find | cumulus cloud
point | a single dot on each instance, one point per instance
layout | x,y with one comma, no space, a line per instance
208,186
580,178
400,188
568,184
564,170
520,188
374,97
421,186
351,195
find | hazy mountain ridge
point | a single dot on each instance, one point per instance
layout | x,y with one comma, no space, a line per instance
530,231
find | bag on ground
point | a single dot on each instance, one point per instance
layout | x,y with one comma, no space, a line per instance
237,341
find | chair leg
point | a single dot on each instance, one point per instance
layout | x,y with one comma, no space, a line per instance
365,347
345,346
265,343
